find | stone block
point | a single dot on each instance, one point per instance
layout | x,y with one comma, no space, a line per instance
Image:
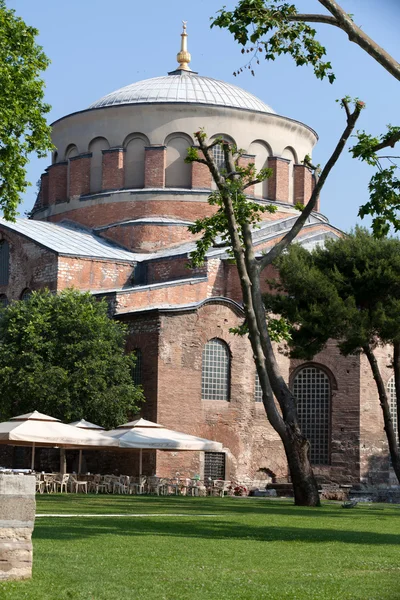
17,516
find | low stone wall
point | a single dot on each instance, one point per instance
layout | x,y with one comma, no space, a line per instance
17,517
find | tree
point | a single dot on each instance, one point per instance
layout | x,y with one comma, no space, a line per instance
23,127
272,28
234,217
349,291
62,355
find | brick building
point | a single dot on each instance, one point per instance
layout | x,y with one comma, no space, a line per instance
111,217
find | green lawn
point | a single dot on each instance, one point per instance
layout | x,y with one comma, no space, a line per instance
223,548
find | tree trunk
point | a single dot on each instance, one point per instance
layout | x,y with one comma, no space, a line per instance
387,418
297,452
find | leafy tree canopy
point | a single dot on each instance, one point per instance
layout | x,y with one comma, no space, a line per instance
23,127
62,355
349,290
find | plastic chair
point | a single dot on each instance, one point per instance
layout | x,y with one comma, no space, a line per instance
78,484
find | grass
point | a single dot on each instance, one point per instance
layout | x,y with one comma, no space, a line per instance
251,549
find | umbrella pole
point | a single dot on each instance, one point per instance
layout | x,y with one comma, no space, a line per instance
80,462
140,462
33,457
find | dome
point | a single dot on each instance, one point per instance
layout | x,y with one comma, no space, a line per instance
184,87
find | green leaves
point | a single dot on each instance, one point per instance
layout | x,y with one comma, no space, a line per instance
267,25
62,355
384,186
23,128
349,291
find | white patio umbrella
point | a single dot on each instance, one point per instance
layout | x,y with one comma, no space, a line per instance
41,430
83,424
146,435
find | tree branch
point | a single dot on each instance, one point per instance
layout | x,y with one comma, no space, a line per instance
360,38
389,143
312,18
268,258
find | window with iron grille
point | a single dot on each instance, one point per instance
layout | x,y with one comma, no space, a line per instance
393,403
219,157
4,262
137,369
3,301
257,389
312,390
214,465
215,371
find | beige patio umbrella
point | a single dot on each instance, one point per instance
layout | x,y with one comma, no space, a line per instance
83,424
41,430
147,435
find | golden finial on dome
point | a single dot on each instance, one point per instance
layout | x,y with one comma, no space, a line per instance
183,57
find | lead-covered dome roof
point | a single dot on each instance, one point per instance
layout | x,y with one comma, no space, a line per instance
184,87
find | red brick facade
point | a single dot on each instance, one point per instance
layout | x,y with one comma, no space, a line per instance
113,169
303,184
79,175
154,166
58,182
278,183
201,176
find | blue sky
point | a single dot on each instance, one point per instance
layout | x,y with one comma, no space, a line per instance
97,46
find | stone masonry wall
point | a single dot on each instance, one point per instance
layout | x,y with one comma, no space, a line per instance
91,274
373,442
17,517
31,266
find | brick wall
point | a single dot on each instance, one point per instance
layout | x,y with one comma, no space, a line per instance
113,169
278,183
91,274
154,166
31,266
302,184
201,176
58,174
148,237
79,175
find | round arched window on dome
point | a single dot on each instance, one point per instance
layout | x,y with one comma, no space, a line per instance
215,374
134,161
96,148
261,152
178,174
312,390
290,155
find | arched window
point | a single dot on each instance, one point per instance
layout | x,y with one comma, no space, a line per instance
215,373
71,151
312,390
3,301
137,369
4,262
96,147
257,389
261,151
27,293
290,155
178,174
391,388
134,162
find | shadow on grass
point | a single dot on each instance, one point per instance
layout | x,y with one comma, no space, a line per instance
97,504
65,529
